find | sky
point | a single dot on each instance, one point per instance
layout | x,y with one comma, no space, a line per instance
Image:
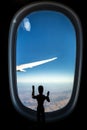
44,35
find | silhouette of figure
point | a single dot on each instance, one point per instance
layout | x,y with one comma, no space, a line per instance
40,100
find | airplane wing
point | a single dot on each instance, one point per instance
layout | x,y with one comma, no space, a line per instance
33,64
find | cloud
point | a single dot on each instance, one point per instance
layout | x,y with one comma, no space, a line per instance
46,79
26,24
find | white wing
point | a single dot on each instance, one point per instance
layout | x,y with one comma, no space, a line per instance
33,64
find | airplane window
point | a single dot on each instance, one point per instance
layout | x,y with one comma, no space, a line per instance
45,51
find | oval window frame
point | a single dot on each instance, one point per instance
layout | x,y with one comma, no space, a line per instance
53,116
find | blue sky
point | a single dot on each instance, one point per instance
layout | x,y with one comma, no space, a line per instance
43,35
